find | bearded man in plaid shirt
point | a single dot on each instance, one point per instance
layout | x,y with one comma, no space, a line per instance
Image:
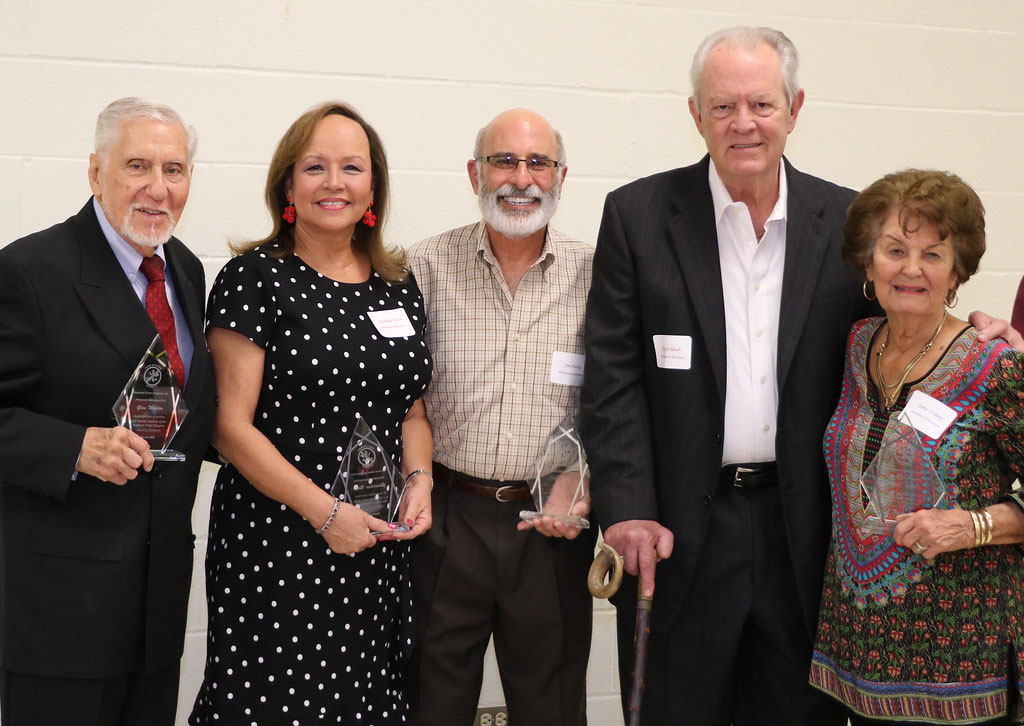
505,299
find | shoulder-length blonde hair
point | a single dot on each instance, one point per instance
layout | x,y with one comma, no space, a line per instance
389,263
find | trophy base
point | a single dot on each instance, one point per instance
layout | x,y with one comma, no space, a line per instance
570,519
398,528
876,526
167,455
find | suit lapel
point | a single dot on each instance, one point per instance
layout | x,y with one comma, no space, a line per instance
188,298
695,246
805,252
107,294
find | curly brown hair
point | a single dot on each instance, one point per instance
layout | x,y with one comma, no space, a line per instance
938,198
388,262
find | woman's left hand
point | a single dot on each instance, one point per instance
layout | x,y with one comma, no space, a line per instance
931,532
415,509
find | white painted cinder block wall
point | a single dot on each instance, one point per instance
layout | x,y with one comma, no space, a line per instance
889,85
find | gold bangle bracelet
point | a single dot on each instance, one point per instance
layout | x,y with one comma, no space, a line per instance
988,525
977,527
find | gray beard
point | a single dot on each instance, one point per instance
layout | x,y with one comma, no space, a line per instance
516,223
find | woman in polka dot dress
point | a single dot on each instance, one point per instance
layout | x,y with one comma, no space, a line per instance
309,328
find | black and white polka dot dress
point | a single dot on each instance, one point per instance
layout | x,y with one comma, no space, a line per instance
297,634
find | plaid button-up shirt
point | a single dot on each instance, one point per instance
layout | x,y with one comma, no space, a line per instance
491,402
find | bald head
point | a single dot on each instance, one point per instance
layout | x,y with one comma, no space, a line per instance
520,122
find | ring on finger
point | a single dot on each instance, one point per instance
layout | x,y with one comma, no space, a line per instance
919,548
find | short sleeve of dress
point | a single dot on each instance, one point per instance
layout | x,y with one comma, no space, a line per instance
417,312
242,298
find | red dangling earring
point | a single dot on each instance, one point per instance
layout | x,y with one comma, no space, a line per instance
288,215
369,218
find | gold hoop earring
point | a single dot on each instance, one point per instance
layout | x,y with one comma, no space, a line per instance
864,289
951,298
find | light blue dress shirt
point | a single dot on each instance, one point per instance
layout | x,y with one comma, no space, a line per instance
130,260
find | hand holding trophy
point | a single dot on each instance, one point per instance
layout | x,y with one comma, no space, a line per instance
368,480
900,479
561,485
151,404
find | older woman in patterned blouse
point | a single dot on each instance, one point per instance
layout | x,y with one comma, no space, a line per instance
924,623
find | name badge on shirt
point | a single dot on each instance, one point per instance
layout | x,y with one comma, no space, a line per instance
673,351
392,323
927,415
567,368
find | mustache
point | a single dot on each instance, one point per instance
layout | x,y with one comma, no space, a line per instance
137,207
511,190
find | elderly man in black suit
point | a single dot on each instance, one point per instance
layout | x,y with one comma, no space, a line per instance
96,541
714,339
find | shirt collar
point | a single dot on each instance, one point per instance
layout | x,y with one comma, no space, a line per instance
129,257
723,200
484,252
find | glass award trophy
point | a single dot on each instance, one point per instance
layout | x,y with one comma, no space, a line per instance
562,478
900,479
368,480
151,404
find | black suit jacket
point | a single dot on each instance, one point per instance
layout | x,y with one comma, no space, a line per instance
654,435
94,577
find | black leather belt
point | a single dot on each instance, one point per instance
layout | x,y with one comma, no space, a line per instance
751,477
503,491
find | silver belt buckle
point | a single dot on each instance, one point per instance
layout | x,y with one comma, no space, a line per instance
736,480
498,493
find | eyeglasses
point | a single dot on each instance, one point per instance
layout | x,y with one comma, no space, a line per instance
507,162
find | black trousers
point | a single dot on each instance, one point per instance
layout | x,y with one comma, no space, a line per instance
475,575
136,699
739,652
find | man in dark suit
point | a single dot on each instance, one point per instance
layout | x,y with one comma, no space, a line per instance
715,336
96,541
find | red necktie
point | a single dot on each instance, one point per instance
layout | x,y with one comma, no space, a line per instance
160,313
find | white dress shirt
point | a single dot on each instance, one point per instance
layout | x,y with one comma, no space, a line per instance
752,290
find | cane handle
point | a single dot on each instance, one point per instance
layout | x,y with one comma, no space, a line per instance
605,573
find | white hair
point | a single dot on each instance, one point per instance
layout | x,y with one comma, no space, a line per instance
108,123
749,38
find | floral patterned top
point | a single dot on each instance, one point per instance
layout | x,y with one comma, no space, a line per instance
901,638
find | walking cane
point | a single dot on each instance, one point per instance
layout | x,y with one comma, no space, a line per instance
603,582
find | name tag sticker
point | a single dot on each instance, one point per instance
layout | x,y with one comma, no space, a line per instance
927,415
567,368
673,351
392,323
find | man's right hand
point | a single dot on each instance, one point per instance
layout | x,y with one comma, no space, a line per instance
114,454
640,541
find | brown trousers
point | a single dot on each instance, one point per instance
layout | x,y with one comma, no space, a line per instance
475,575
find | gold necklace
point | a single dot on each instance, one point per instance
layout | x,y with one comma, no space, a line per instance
890,399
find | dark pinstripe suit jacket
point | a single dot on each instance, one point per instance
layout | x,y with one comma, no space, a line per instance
653,435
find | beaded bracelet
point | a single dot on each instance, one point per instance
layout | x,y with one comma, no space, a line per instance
331,516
